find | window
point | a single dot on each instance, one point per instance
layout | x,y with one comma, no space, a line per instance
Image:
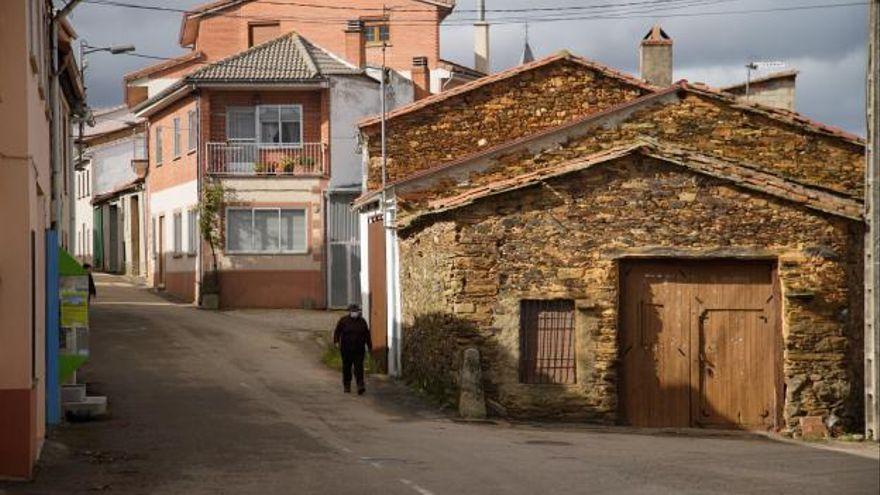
376,33
158,150
192,231
547,342
175,140
281,124
266,230
178,233
269,124
154,236
192,139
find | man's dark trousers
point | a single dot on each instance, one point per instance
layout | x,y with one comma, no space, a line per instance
353,359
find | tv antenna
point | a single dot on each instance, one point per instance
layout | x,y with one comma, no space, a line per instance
760,65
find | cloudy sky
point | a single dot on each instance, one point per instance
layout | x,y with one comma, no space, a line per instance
714,39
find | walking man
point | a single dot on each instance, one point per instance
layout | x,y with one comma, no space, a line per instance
352,337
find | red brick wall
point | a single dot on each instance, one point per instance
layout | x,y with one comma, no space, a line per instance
173,170
311,101
414,27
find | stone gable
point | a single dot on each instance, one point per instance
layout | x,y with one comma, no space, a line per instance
466,270
695,123
508,109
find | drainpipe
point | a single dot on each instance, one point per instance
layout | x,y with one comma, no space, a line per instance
199,258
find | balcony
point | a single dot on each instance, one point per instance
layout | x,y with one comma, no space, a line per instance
248,159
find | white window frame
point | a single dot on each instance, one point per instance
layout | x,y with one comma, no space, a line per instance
257,130
192,235
305,232
177,148
177,232
157,148
192,134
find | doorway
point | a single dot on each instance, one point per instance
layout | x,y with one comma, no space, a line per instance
700,344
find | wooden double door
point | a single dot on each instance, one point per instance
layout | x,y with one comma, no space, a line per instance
700,344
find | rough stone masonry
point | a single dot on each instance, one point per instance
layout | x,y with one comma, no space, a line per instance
464,273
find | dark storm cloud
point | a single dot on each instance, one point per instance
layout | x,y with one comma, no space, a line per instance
826,45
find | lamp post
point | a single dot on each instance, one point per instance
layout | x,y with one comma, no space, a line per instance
85,49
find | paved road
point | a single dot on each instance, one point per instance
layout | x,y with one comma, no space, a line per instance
218,403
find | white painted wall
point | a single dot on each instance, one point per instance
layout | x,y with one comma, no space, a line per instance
111,164
353,99
180,198
83,216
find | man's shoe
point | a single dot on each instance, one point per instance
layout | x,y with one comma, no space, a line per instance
346,390
362,391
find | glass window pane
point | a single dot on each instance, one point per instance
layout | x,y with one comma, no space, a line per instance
269,113
242,123
269,132
289,113
290,132
293,230
266,231
238,230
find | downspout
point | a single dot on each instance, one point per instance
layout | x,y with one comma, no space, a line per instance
199,258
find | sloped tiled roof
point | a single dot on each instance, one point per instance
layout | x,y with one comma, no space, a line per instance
287,58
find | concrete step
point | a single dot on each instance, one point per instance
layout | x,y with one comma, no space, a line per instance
73,393
92,407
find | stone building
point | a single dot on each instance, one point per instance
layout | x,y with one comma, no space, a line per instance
646,256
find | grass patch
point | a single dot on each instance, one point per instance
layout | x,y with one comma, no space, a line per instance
332,358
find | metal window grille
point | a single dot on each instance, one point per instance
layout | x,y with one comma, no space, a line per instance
547,342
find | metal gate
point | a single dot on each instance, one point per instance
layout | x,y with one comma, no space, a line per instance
700,344
344,262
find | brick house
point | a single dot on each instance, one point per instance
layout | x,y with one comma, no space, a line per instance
259,122
645,256
227,83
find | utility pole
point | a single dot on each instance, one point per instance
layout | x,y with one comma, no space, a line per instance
872,237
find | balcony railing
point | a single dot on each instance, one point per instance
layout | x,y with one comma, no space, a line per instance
266,159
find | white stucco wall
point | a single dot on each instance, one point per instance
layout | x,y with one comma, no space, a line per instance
83,216
111,165
167,202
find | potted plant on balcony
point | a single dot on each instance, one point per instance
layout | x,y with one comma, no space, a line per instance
260,168
210,227
286,166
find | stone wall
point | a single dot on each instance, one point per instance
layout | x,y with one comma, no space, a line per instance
695,123
565,239
499,112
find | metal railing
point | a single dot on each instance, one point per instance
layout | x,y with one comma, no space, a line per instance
266,159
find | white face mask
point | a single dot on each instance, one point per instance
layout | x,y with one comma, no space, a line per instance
355,314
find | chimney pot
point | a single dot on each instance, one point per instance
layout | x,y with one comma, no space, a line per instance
655,57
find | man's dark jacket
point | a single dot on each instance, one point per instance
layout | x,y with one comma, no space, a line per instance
352,335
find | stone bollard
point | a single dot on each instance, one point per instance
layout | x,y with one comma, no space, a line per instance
471,402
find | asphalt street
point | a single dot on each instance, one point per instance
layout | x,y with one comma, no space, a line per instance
239,403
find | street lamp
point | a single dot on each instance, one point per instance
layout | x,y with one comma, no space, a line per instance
85,49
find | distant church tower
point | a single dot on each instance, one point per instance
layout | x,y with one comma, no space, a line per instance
527,54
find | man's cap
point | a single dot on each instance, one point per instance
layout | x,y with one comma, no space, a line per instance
354,307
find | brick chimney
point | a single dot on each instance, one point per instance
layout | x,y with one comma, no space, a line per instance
421,77
355,44
655,57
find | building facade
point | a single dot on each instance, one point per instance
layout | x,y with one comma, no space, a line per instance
227,95
36,197
113,172
660,257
